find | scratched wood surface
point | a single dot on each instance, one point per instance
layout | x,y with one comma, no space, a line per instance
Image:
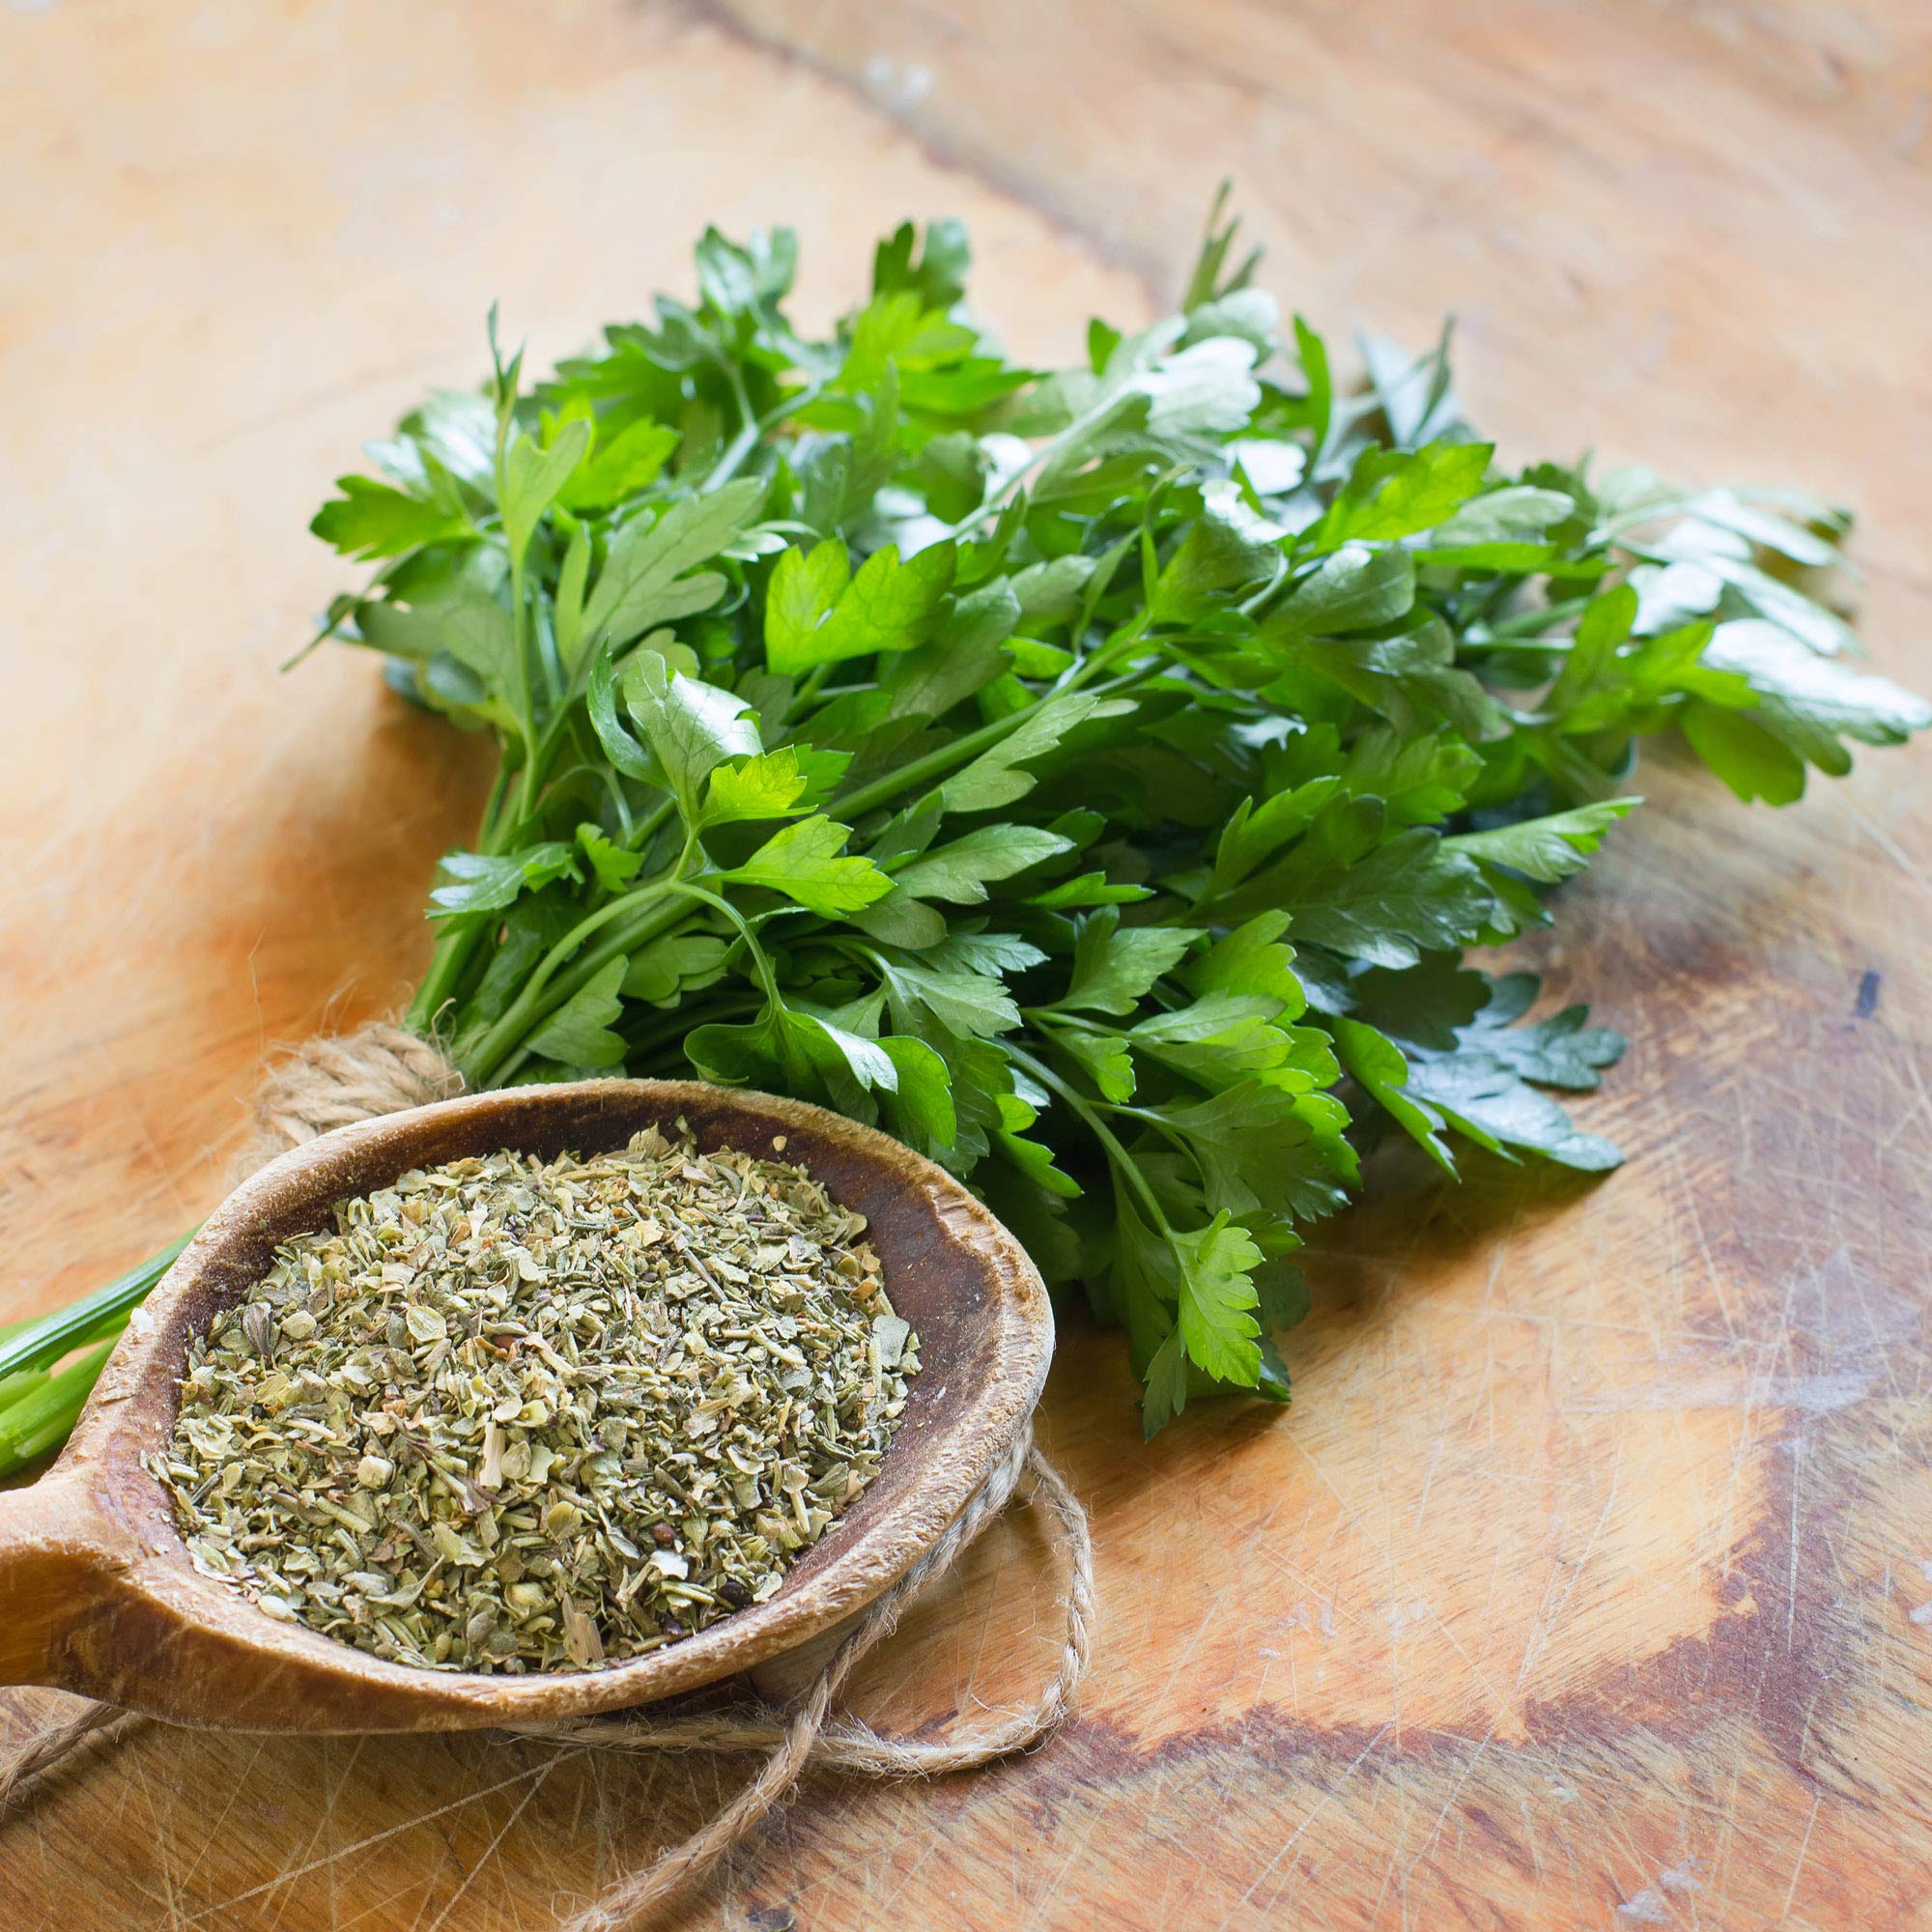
1589,1581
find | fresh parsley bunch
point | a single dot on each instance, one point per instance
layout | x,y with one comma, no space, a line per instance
1095,776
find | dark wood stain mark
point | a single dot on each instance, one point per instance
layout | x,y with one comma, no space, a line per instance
1787,1657
1867,1004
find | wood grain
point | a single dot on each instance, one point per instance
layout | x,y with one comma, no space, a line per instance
1589,1581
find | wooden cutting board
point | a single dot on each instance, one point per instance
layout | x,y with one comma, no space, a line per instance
1589,1581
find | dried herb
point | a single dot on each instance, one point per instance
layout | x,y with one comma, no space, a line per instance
509,1415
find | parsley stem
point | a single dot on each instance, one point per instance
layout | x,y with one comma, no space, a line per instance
763,965
646,827
529,1011
40,1344
1068,438
489,831
740,447
1116,647
1122,1162
752,433
815,683
455,944
917,775
519,643
43,1417
626,938
445,969
935,764
652,1039
675,1024
1526,625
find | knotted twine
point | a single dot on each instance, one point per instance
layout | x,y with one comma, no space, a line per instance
382,1069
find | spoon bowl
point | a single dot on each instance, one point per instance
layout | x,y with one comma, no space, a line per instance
97,1594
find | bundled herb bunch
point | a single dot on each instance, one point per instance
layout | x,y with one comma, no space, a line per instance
1095,776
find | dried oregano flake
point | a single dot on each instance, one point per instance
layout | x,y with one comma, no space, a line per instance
517,1415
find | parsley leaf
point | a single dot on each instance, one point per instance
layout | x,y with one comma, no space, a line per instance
1393,493
771,784
372,519
818,612
1218,1328
644,581
1410,896
1115,967
807,861
579,1032
690,726
961,871
1544,849
995,779
487,882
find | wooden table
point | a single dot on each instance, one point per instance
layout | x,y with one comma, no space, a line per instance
1589,1581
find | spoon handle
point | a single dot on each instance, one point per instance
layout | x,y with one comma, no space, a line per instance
55,1572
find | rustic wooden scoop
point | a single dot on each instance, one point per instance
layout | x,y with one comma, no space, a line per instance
96,1591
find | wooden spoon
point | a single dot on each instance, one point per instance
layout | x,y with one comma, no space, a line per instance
96,1591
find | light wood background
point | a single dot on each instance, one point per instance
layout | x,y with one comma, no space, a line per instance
1589,1581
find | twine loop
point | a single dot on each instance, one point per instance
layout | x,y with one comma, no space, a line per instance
805,1734
336,1081
381,1069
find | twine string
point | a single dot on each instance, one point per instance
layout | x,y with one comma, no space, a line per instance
381,1069
46,1749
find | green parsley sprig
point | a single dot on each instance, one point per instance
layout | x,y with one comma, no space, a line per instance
1095,776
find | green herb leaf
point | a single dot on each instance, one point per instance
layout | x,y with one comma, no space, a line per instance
807,861
532,476
1106,1060
1258,1147
679,963
619,466
1357,588
1809,703
1546,849
1485,1098
1408,897
644,581
773,785
481,883
994,778
1378,1064
1217,1299
1229,547
372,519
692,726
818,612
579,1032
959,872
1394,492
613,867
1116,967
954,986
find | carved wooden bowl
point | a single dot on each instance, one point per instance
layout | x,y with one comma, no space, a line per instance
96,1591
